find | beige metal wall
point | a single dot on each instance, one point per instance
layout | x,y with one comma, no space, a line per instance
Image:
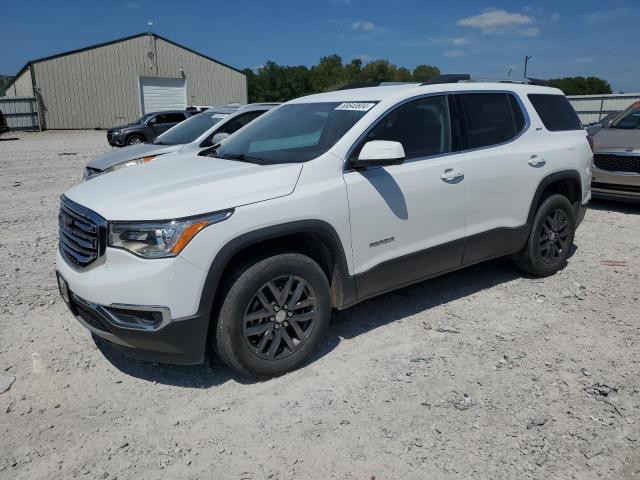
21,86
100,87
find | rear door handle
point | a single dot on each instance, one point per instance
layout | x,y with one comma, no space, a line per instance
535,161
450,174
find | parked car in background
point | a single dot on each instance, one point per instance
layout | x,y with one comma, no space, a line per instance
4,128
146,128
604,122
204,108
321,203
616,160
199,131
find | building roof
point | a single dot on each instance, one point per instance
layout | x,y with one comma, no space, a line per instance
104,44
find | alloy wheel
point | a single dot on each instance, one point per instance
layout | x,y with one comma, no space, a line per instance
553,236
280,317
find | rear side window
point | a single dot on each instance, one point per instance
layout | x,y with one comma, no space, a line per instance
556,112
490,118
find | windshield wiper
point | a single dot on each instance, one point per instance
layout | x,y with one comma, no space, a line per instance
241,157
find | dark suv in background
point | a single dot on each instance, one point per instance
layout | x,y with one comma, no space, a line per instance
146,128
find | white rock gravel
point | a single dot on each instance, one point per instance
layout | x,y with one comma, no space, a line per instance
479,374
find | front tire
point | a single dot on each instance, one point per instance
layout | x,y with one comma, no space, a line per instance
274,315
550,239
134,139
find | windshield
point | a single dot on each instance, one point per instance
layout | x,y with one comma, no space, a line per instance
190,129
629,119
293,133
142,119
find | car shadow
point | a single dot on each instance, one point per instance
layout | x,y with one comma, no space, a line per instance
622,206
389,190
347,324
406,302
8,139
209,374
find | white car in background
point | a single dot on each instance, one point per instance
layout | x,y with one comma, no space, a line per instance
197,132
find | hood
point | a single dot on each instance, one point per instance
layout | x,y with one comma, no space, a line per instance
616,139
183,185
131,152
122,127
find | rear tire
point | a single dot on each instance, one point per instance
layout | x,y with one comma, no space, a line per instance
550,239
274,314
134,139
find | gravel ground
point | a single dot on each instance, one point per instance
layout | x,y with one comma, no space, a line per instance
478,374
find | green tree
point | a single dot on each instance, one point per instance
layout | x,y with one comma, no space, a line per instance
277,83
5,80
379,71
327,74
422,73
352,71
581,85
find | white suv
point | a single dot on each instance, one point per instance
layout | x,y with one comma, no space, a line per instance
319,204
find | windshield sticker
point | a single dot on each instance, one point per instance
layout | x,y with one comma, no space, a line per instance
356,106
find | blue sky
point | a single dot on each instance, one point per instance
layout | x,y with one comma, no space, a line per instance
565,38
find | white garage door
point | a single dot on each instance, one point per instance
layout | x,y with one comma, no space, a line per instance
160,94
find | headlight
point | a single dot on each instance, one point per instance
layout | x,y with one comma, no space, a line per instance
160,239
130,163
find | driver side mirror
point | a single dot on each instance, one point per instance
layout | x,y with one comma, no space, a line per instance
379,153
218,137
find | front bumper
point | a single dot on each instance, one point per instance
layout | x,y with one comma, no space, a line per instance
615,185
115,140
130,329
116,298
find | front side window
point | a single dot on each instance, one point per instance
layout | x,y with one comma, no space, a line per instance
294,133
629,119
190,129
421,126
143,119
490,118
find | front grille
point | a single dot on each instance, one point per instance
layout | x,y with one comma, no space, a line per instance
82,233
617,163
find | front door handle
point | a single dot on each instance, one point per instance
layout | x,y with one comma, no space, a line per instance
536,161
450,175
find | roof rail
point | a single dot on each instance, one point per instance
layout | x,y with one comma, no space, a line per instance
465,77
351,86
448,78
537,81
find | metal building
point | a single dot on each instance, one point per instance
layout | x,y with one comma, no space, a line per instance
116,82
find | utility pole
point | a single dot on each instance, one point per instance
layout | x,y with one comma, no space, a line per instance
526,62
